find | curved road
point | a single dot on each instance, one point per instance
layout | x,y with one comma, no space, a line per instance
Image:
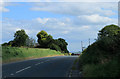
43,67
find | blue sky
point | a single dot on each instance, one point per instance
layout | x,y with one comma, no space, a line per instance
75,22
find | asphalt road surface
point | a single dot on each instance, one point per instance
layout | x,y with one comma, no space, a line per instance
43,67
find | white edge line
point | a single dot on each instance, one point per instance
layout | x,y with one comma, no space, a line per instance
37,63
23,69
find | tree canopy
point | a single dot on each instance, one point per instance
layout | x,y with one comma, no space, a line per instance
20,38
47,41
109,31
44,39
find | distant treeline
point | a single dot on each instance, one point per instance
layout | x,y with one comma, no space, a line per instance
44,41
102,58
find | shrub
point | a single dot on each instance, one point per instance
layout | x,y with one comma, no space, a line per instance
109,69
101,59
54,47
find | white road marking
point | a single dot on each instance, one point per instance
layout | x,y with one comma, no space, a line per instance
37,63
23,69
42,62
12,74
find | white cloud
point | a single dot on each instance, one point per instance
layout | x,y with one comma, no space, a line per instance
16,29
2,7
65,32
97,19
61,0
79,8
84,27
42,21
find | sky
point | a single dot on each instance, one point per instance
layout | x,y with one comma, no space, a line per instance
72,21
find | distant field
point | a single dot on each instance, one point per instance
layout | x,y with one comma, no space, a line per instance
12,54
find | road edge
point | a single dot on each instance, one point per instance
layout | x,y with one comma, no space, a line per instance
27,59
75,72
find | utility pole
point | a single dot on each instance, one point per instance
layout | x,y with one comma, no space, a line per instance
89,41
82,45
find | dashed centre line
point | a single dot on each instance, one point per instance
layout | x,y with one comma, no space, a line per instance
42,62
12,74
37,63
28,67
23,69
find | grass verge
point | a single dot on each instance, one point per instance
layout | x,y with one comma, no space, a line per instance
110,69
12,54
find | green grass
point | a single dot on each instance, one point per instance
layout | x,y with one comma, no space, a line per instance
11,54
110,69
96,62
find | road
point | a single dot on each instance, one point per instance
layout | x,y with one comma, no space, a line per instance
43,67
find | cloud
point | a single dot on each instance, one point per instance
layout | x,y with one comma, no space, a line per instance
2,7
61,0
59,26
42,21
77,9
65,32
97,19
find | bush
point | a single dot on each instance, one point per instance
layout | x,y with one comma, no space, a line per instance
109,69
102,58
54,47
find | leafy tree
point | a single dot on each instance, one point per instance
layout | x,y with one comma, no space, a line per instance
107,37
108,31
8,44
5,44
20,38
47,41
44,39
54,47
62,44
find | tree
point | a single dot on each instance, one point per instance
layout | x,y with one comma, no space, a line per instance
54,47
5,44
44,39
30,42
108,38
47,41
108,31
62,44
20,38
